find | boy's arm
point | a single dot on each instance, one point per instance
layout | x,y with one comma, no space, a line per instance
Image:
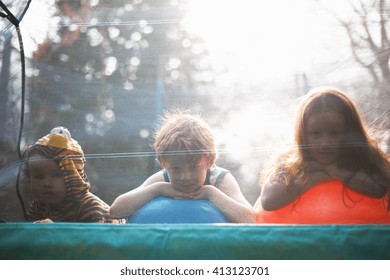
126,204
229,199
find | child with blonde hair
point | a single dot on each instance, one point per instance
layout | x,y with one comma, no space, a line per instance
335,172
187,152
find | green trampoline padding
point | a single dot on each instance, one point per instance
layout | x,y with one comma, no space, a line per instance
78,241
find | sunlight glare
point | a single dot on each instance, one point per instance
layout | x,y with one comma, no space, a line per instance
36,23
251,38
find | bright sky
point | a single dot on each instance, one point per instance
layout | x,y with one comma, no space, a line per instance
254,38
255,41
35,24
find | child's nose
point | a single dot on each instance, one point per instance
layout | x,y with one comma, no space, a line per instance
185,175
47,183
325,141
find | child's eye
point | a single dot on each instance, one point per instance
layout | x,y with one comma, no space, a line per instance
174,168
37,177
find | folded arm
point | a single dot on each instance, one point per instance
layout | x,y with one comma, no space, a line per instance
277,192
358,181
229,200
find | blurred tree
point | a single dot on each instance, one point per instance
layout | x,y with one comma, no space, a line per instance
368,33
369,38
11,13
107,73
107,55
6,96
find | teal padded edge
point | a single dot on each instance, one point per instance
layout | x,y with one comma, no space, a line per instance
76,241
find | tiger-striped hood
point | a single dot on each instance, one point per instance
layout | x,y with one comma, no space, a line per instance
80,205
62,148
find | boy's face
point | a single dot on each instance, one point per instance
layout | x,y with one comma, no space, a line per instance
186,174
47,181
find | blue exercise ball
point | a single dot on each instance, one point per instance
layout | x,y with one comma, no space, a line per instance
164,210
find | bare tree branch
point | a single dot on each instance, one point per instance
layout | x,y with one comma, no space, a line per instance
363,21
354,48
382,12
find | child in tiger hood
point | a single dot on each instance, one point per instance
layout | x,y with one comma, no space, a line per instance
61,190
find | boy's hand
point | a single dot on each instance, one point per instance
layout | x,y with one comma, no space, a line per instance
205,192
169,190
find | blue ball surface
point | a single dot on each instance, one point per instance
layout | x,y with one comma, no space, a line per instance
164,210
